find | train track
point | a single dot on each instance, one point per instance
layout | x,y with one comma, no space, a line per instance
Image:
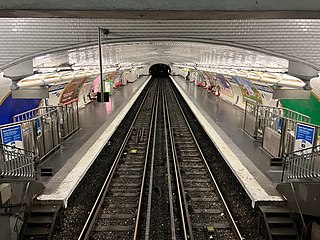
116,212
160,186
206,213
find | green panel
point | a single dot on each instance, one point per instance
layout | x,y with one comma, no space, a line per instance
310,107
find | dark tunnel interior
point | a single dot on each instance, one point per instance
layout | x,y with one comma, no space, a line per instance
160,70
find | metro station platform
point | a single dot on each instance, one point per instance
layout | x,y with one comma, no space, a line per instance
222,121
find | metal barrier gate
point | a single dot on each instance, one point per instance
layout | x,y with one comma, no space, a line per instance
16,163
68,116
40,130
275,126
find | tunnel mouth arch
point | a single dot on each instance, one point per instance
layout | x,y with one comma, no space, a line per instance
160,70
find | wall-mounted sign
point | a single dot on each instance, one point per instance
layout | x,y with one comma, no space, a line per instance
38,126
304,137
12,136
280,124
108,86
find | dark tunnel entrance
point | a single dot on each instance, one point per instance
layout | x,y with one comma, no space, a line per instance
160,70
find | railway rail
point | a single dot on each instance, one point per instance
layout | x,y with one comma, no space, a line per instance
160,186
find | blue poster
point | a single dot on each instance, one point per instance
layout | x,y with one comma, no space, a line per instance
280,124
304,137
38,126
12,136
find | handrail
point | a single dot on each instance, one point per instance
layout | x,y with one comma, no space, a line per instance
305,149
299,209
33,114
17,148
251,101
288,110
287,113
17,163
299,165
36,110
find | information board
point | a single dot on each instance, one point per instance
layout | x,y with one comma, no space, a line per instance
304,137
12,136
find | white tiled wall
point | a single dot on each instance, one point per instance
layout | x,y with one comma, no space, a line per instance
25,36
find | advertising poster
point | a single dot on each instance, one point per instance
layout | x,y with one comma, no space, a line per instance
12,136
248,89
71,92
304,137
226,87
55,92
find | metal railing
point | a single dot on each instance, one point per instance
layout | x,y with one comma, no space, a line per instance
16,163
68,117
275,125
251,118
302,164
272,117
40,130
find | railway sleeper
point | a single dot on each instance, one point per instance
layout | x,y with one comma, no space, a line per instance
130,168
117,205
206,189
129,172
186,146
202,199
205,180
201,173
191,165
132,163
130,189
207,211
190,161
121,200
126,184
177,142
125,194
101,228
119,210
184,139
187,154
116,216
128,177
188,151
222,225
